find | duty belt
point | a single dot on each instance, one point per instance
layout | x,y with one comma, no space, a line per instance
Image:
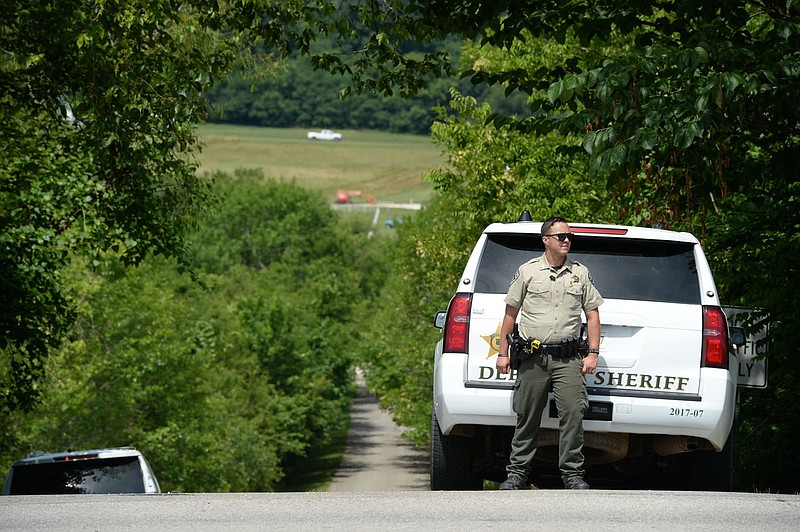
520,348
555,351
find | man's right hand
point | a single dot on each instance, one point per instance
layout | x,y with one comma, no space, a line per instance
503,365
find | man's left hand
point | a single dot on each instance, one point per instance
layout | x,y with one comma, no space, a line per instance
503,365
589,363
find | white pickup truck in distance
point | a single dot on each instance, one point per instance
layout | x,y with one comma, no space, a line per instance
325,134
662,401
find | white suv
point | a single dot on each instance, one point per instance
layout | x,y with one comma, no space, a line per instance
663,397
117,470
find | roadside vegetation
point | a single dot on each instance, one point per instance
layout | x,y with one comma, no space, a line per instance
298,95
229,382
215,322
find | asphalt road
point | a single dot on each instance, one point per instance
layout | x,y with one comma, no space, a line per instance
383,485
406,511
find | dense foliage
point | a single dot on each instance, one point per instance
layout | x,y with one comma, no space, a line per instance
98,101
299,96
683,112
224,388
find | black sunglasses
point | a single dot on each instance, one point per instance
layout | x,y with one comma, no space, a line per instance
563,236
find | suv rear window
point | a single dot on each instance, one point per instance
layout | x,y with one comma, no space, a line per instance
643,270
108,475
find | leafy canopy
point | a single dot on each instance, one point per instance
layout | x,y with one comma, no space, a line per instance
98,103
686,109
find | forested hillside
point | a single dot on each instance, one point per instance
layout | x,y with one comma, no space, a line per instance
300,96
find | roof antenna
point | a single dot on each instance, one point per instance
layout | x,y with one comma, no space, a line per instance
525,216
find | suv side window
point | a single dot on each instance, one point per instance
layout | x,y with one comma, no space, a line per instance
642,270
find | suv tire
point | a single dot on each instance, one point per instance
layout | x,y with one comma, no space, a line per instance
713,471
451,462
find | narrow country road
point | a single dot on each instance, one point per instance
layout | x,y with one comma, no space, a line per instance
377,458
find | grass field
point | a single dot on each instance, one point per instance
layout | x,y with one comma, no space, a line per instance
385,165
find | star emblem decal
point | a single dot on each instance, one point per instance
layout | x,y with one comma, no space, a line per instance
494,342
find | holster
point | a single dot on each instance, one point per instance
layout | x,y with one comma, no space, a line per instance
583,342
520,348
513,347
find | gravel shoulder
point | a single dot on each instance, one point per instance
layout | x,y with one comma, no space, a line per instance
377,458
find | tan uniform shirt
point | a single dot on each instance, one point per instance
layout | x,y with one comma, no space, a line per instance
550,300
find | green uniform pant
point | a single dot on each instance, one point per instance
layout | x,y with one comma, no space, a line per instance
530,399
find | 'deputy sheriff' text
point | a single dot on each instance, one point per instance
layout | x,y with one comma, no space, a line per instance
610,379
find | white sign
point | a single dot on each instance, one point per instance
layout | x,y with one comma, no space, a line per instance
752,373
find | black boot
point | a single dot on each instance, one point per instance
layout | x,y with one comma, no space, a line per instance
515,482
575,482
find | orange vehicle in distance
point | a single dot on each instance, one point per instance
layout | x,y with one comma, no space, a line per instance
346,196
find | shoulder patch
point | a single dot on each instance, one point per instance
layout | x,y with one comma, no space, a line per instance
588,273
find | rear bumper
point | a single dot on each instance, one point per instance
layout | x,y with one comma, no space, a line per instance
708,414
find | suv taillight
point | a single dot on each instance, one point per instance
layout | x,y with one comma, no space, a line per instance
456,327
715,338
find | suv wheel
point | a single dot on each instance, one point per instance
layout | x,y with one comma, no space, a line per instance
451,462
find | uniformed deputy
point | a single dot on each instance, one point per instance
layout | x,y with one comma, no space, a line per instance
550,291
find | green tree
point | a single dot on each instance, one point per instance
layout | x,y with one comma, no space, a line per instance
96,130
228,384
300,96
168,378
98,102
687,109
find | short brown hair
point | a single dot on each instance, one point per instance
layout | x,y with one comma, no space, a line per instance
550,222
